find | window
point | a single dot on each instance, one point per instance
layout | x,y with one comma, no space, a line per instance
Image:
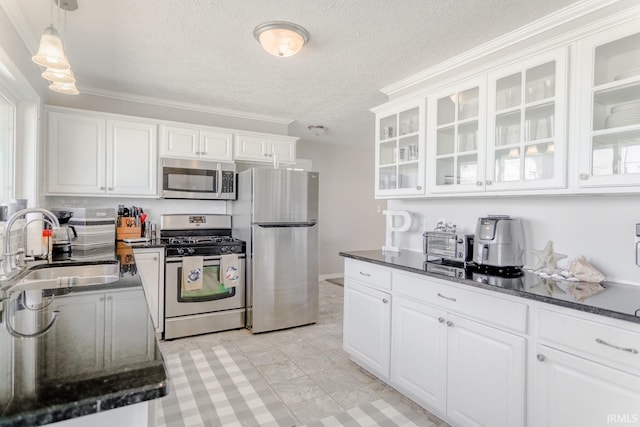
7,148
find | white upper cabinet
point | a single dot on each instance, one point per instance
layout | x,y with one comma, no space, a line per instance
96,155
526,130
262,148
456,138
610,109
400,160
193,142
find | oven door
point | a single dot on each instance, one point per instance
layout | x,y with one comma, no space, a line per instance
212,297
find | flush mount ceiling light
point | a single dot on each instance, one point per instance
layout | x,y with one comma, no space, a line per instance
51,55
281,38
317,130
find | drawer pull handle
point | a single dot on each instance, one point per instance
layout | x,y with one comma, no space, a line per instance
365,274
441,319
384,300
445,297
603,342
449,323
541,357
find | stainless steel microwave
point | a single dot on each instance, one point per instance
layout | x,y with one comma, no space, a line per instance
198,179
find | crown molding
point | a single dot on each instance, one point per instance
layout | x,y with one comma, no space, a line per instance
184,105
19,22
528,31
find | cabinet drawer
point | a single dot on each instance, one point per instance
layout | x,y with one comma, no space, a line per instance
485,308
366,272
615,345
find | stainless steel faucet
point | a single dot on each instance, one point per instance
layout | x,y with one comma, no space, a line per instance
9,262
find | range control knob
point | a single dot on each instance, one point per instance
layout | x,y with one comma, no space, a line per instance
224,249
180,251
191,251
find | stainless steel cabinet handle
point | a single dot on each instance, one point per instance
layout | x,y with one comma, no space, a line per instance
365,274
489,182
449,323
441,319
384,300
584,176
479,183
445,297
541,357
419,187
603,342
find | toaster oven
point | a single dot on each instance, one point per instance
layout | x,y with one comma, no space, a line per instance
448,246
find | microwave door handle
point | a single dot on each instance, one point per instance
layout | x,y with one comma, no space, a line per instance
219,183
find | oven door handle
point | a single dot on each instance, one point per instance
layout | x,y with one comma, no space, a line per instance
219,183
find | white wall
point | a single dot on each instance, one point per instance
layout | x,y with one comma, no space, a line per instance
348,211
602,228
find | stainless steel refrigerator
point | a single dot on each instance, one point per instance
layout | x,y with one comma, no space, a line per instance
276,213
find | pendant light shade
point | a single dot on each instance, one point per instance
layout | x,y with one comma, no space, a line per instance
66,88
59,76
281,39
51,53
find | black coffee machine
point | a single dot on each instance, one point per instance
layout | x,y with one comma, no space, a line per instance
63,236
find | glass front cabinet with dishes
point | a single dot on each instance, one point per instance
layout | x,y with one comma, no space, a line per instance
610,116
456,135
400,160
527,124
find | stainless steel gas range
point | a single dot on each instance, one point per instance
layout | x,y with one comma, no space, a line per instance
204,275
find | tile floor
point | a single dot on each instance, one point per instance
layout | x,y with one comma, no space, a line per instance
306,366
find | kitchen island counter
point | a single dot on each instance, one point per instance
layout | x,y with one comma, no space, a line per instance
100,354
616,300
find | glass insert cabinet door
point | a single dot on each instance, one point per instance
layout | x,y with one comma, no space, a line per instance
399,151
456,139
610,155
526,124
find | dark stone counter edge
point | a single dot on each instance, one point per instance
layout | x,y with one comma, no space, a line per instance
93,405
527,295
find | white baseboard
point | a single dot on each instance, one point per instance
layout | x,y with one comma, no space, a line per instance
331,276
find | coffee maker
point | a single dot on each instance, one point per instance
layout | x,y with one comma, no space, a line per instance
499,242
62,236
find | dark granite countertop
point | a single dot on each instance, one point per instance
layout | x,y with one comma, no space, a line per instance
101,352
609,299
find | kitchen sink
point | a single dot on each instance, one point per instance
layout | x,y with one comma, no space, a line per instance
65,276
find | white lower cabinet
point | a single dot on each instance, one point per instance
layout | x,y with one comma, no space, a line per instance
150,265
471,373
367,327
572,391
586,370
485,375
419,343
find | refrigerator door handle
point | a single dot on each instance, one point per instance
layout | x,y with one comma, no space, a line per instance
219,179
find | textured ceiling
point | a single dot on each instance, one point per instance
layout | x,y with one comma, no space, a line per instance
203,51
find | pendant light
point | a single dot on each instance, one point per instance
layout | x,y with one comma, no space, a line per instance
280,38
59,75
51,56
65,88
51,53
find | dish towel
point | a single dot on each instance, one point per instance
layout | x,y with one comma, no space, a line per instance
229,270
192,273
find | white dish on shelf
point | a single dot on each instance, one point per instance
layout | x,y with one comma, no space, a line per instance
634,72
